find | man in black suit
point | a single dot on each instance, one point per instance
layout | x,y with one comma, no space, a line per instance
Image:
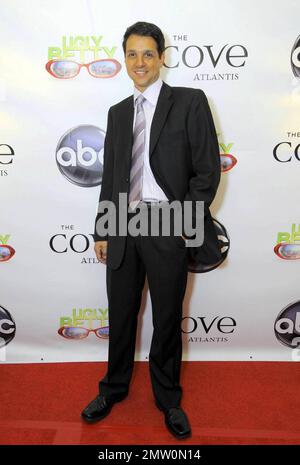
160,146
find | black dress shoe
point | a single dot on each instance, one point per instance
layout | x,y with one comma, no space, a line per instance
177,422
99,408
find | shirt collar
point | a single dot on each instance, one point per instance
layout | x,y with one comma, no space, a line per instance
151,93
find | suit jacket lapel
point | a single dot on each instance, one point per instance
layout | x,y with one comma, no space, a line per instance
126,128
163,106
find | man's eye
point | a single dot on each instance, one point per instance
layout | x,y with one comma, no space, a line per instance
149,54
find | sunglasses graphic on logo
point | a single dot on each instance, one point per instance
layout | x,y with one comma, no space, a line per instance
67,69
6,252
78,332
288,251
228,161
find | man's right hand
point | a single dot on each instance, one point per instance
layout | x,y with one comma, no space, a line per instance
100,248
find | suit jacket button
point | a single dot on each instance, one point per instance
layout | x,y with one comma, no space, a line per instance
127,179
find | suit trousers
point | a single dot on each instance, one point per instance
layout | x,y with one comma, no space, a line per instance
164,260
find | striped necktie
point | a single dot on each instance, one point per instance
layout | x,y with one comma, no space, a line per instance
138,149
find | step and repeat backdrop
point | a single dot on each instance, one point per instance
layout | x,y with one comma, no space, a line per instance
61,68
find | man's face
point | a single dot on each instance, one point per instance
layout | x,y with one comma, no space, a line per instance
142,61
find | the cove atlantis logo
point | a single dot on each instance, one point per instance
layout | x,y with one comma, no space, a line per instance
288,151
295,58
75,53
288,244
70,240
212,62
212,329
6,158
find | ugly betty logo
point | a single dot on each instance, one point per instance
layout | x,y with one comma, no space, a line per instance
84,321
288,244
75,53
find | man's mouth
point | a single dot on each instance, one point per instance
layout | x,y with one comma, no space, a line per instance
140,73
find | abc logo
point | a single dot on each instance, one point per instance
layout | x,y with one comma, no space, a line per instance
287,325
79,155
295,58
7,327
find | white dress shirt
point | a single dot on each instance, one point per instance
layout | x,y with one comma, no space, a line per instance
150,190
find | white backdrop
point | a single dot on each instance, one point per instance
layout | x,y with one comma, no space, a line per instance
247,75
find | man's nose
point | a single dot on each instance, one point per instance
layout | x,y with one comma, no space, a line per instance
140,60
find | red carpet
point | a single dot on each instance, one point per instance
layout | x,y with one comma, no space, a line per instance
227,403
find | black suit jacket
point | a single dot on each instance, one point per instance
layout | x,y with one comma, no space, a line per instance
184,158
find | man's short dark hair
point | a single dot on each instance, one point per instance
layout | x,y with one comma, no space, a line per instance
148,30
